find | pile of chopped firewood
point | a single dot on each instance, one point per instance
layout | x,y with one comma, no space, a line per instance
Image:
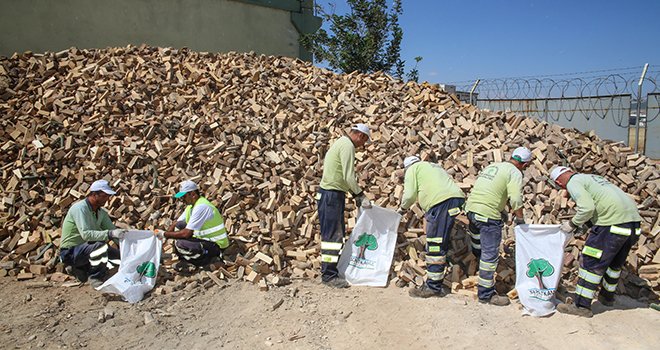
252,131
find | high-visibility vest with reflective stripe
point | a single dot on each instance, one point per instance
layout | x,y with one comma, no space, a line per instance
213,229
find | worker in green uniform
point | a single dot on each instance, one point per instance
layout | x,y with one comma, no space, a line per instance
442,200
86,231
485,211
615,229
338,179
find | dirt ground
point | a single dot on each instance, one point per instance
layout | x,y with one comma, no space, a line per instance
302,315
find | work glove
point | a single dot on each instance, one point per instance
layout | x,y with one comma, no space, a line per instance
568,226
159,234
362,201
117,233
518,221
401,211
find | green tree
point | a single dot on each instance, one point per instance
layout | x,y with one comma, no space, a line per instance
539,268
366,39
413,75
364,242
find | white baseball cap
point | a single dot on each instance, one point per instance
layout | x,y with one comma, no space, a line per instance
363,128
557,171
410,161
101,185
522,154
185,187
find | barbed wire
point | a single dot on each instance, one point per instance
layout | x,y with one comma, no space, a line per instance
584,100
629,70
585,86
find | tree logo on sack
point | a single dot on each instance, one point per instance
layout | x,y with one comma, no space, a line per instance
147,269
364,242
539,268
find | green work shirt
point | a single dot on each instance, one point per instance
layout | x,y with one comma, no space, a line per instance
82,224
600,201
339,167
430,184
495,184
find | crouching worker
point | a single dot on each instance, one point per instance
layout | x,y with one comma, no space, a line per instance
86,230
200,232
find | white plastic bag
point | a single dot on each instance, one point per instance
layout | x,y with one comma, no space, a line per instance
539,259
138,269
367,256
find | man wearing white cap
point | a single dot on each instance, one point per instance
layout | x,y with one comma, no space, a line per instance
202,234
616,228
85,232
485,211
338,179
442,200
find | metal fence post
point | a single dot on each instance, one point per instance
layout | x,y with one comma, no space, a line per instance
472,90
639,105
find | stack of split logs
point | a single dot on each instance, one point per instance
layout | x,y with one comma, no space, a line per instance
252,131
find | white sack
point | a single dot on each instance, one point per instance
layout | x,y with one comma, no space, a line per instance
367,256
140,259
539,259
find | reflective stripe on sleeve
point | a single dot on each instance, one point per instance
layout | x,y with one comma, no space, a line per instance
434,240
475,246
453,211
638,231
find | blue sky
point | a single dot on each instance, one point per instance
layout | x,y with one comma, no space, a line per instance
461,40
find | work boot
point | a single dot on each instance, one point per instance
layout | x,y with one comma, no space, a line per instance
336,283
183,267
573,309
425,292
605,300
95,282
496,300
79,274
